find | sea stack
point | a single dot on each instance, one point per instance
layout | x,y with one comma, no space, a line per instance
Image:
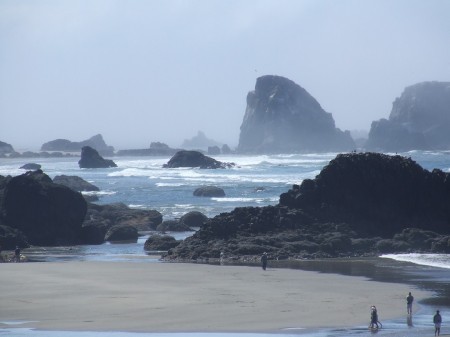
282,117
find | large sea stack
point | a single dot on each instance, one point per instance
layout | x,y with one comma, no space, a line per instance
91,159
283,117
64,145
419,120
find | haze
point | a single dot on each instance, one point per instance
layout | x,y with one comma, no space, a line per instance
142,71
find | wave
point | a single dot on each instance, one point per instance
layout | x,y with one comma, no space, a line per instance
431,260
98,192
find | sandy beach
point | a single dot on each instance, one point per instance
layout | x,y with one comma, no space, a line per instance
175,297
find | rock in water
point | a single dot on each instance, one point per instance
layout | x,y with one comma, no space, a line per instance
185,158
91,159
283,117
419,120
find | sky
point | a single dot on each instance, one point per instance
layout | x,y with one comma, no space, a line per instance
140,71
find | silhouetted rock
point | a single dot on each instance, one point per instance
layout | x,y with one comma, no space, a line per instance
91,159
75,183
96,142
419,120
31,166
46,213
193,219
209,191
158,243
361,204
185,158
122,233
282,117
199,142
226,149
156,149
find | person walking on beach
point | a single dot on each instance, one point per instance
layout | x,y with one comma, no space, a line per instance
264,261
373,317
17,254
437,320
409,302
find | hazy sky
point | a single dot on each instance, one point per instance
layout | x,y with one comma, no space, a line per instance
139,71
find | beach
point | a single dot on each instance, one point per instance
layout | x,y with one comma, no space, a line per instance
185,297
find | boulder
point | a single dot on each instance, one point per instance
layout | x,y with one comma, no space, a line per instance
158,243
172,226
193,219
46,213
185,158
31,167
282,117
75,183
96,142
91,159
209,191
419,120
122,233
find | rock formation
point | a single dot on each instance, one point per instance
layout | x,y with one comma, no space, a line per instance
199,142
75,183
156,149
96,142
185,158
359,204
5,148
419,120
122,233
46,213
209,191
282,117
91,159
31,167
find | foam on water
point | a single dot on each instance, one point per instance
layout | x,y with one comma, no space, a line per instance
432,260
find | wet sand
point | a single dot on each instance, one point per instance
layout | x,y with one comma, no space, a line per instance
175,297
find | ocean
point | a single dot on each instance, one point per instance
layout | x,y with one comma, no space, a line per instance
141,182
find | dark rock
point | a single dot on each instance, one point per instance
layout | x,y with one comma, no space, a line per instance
96,142
377,194
122,233
91,159
158,243
195,159
419,120
193,219
100,218
75,183
172,226
282,117
46,213
11,237
209,191
31,166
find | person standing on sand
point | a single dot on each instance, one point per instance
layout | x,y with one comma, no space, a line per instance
437,320
17,254
264,261
409,302
373,317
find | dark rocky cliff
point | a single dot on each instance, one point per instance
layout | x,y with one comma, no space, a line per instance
282,117
419,120
360,204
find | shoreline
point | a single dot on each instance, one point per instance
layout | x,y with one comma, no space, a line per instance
182,297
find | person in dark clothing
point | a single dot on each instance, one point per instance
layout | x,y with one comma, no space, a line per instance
409,302
373,317
17,254
264,261
437,320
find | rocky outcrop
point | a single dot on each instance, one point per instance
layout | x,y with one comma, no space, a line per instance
75,183
5,148
158,243
172,226
185,158
122,233
282,117
31,166
193,219
46,213
419,120
100,218
96,142
209,191
199,142
91,159
360,204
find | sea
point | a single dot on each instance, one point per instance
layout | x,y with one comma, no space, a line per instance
257,180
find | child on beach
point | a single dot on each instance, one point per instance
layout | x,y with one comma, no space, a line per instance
373,317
